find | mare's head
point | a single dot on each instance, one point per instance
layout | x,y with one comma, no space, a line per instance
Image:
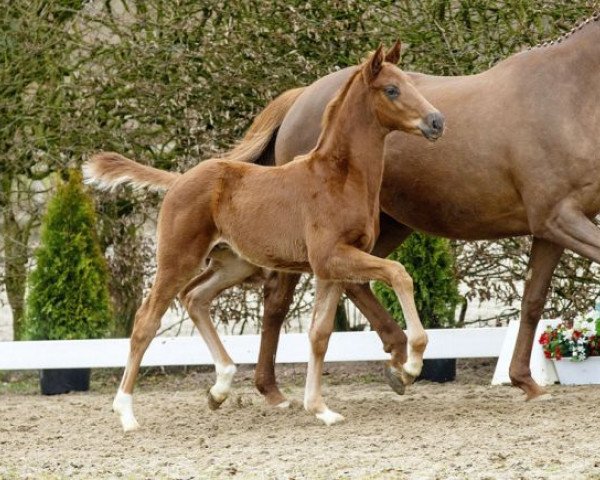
397,103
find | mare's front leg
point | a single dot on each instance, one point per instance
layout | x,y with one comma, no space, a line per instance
278,293
542,262
326,300
224,271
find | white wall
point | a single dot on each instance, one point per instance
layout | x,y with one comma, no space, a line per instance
5,320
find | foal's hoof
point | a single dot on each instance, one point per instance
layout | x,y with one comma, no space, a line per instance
330,417
407,378
410,371
123,407
129,424
393,377
213,403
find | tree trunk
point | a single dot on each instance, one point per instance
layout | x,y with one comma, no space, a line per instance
16,239
126,281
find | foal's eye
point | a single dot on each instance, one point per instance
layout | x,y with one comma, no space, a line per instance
392,92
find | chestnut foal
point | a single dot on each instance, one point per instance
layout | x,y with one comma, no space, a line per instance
319,213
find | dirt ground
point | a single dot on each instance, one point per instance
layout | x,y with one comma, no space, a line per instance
465,429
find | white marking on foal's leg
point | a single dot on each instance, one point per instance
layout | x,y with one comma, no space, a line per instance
220,390
123,406
283,405
414,363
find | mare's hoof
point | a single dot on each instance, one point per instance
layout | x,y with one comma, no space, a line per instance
213,403
544,397
394,380
275,398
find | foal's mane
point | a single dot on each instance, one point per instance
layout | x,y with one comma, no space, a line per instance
594,18
332,108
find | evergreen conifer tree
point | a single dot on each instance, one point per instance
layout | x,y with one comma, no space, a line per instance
430,263
68,293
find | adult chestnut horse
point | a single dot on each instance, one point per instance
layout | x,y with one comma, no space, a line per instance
521,157
283,218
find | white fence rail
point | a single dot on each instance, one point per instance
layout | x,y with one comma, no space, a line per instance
293,348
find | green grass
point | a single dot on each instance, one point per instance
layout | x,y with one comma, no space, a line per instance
22,383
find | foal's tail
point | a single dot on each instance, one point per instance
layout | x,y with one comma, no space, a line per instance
108,170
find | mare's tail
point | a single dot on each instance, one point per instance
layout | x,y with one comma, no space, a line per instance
263,128
108,170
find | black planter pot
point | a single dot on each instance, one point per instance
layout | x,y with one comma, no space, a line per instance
64,380
438,370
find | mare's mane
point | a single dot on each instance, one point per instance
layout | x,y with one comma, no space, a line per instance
566,35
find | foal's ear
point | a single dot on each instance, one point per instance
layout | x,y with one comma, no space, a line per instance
393,54
373,65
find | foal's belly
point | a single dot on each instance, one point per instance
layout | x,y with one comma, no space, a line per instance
271,251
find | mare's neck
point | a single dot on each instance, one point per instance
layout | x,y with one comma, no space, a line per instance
576,52
351,145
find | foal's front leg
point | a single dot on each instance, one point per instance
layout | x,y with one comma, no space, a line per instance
327,298
345,263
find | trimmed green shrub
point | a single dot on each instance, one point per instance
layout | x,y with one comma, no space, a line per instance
430,262
68,293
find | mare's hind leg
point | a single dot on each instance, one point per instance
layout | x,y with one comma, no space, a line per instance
223,272
278,294
327,297
542,261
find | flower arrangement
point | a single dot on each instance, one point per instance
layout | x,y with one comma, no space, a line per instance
578,342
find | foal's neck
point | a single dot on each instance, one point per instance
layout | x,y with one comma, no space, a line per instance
351,144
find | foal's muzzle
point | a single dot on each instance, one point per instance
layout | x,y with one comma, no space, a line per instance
433,126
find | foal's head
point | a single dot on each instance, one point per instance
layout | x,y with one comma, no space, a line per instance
397,103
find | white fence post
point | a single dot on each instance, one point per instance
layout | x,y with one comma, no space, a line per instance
542,369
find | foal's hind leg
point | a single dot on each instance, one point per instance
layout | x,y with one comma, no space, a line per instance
169,279
326,301
182,245
197,297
